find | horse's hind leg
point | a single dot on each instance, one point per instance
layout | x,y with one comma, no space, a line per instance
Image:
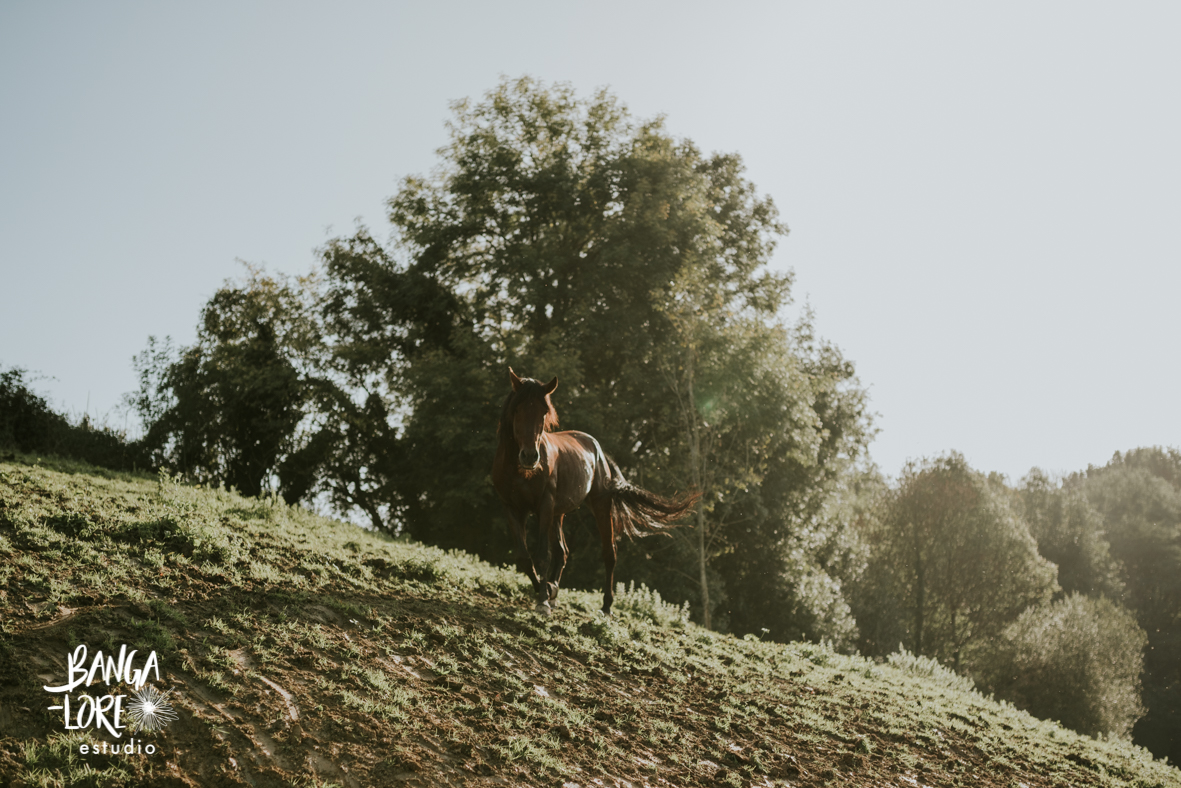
601,507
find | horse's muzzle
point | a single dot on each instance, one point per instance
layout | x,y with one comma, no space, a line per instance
529,459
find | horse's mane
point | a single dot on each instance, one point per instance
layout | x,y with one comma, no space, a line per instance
530,389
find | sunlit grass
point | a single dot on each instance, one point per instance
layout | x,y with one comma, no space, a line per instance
374,638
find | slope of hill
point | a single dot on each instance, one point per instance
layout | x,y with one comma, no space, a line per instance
297,650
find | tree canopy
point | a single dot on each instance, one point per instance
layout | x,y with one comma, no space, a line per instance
1138,496
1077,660
564,237
952,563
1071,533
225,410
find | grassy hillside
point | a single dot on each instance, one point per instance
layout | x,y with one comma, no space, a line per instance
303,651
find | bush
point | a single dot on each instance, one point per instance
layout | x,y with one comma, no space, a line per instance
645,603
26,421
929,669
29,425
1077,660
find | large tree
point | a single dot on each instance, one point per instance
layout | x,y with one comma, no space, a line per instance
563,237
226,409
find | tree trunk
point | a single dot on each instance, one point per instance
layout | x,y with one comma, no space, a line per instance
705,617
696,460
920,599
955,639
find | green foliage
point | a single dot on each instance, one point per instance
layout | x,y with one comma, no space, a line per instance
28,424
771,425
931,670
564,237
951,564
57,763
1138,495
1071,534
225,411
803,588
1076,660
646,603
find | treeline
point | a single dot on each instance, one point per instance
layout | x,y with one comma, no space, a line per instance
29,424
563,237
1062,596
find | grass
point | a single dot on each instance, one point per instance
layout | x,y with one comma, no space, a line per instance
305,651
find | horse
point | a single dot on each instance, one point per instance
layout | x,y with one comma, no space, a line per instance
551,474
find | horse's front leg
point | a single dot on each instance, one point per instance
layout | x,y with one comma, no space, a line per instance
558,553
554,554
521,546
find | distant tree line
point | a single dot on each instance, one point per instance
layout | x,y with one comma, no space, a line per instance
563,237
1063,596
30,425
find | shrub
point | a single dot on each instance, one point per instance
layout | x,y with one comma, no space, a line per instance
645,603
929,669
26,421
29,425
1076,660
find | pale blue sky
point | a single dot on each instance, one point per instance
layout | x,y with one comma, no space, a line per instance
984,198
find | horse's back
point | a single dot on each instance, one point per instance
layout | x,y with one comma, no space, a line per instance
573,441
581,457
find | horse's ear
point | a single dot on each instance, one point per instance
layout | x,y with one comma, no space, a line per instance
516,381
549,387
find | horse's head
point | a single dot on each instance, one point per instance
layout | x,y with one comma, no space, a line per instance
528,413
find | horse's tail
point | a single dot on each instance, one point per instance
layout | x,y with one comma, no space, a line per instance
637,512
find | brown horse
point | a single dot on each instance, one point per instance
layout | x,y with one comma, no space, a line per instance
553,473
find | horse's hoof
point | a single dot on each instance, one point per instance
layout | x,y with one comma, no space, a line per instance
605,613
543,608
